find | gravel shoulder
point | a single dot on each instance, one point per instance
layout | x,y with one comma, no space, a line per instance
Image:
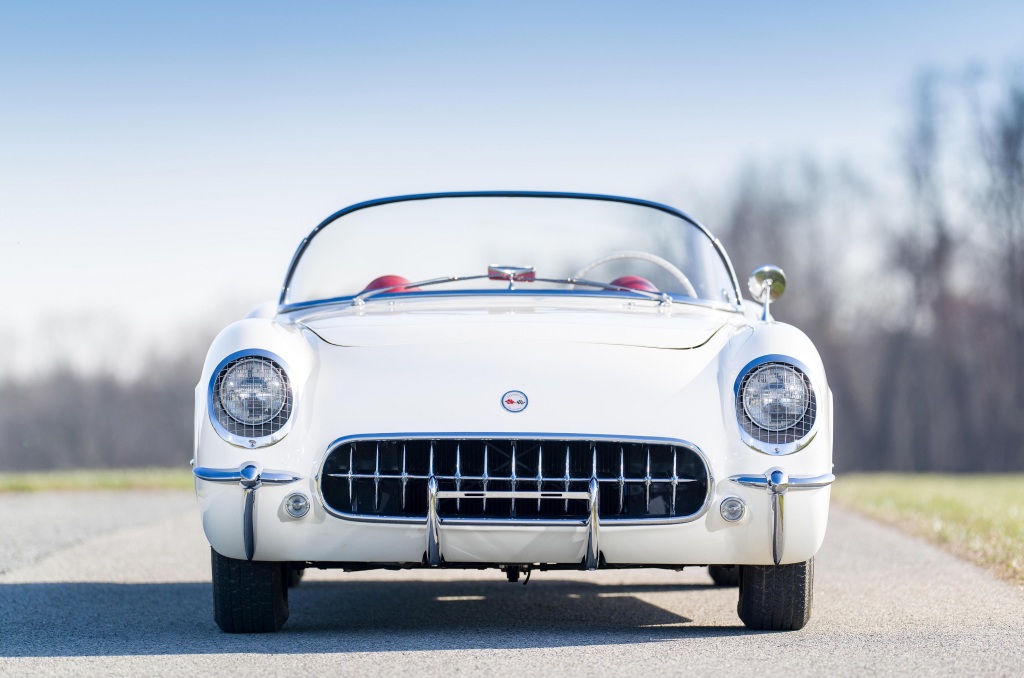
104,595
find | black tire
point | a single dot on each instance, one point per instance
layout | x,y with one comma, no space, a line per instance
725,575
248,596
776,598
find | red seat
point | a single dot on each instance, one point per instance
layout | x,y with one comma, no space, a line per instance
397,282
635,282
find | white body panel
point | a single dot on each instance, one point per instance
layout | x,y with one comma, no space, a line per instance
590,367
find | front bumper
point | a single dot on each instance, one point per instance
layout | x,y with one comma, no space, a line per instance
244,517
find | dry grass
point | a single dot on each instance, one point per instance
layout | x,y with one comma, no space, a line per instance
98,479
979,517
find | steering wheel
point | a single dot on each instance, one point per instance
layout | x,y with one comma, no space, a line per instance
665,264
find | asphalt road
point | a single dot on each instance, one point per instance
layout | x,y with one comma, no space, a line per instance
118,584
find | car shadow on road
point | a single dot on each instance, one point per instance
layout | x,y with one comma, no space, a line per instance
99,619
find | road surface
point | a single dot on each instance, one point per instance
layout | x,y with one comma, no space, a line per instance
118,584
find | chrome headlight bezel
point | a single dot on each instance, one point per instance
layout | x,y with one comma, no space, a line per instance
237,432
786,440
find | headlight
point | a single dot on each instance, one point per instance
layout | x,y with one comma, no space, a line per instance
251,399
776,404
775,397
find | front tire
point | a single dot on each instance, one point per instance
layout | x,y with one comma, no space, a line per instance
248,596
776,598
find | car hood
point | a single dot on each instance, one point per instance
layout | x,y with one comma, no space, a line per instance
588,385
641,327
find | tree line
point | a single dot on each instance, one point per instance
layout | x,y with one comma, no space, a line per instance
914,296
916,303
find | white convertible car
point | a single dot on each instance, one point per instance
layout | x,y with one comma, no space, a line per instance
513,380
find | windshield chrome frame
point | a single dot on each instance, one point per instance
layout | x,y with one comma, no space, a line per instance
284,305
518,293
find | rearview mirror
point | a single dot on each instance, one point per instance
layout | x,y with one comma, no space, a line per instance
766,284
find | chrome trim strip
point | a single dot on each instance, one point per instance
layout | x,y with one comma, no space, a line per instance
663,298
217,475
239,441
445,435
234,475
286,286
520,494
574,523
346,301
776,449
778,483
546,479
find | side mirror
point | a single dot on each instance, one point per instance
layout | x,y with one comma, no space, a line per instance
766,284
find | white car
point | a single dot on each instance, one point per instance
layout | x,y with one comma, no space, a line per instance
516,380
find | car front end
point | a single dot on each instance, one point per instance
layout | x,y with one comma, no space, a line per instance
505,424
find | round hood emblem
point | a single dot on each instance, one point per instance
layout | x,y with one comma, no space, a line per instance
515,401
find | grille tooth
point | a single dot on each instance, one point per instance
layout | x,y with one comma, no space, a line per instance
540,473
405,476
485,476
512,512
675,481
647,480
622,478
376,480
351,480
649,485
458,475
567,475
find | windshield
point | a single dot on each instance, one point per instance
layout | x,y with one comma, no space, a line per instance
388,247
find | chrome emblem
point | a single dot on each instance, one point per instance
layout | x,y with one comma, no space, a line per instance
515,401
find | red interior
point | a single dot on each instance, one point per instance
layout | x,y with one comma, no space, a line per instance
399,284
635,282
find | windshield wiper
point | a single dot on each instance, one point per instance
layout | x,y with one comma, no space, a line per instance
514,274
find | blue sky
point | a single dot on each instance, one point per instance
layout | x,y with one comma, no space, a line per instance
159,162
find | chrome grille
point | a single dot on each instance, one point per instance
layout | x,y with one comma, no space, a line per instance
638,480
789,435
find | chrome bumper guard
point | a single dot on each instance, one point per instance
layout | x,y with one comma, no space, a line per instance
433,550
250,477
779,483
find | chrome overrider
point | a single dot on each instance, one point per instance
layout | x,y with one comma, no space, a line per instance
778,483
593,554
250,477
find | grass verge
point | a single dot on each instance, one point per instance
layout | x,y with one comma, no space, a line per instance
98,479
979,517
